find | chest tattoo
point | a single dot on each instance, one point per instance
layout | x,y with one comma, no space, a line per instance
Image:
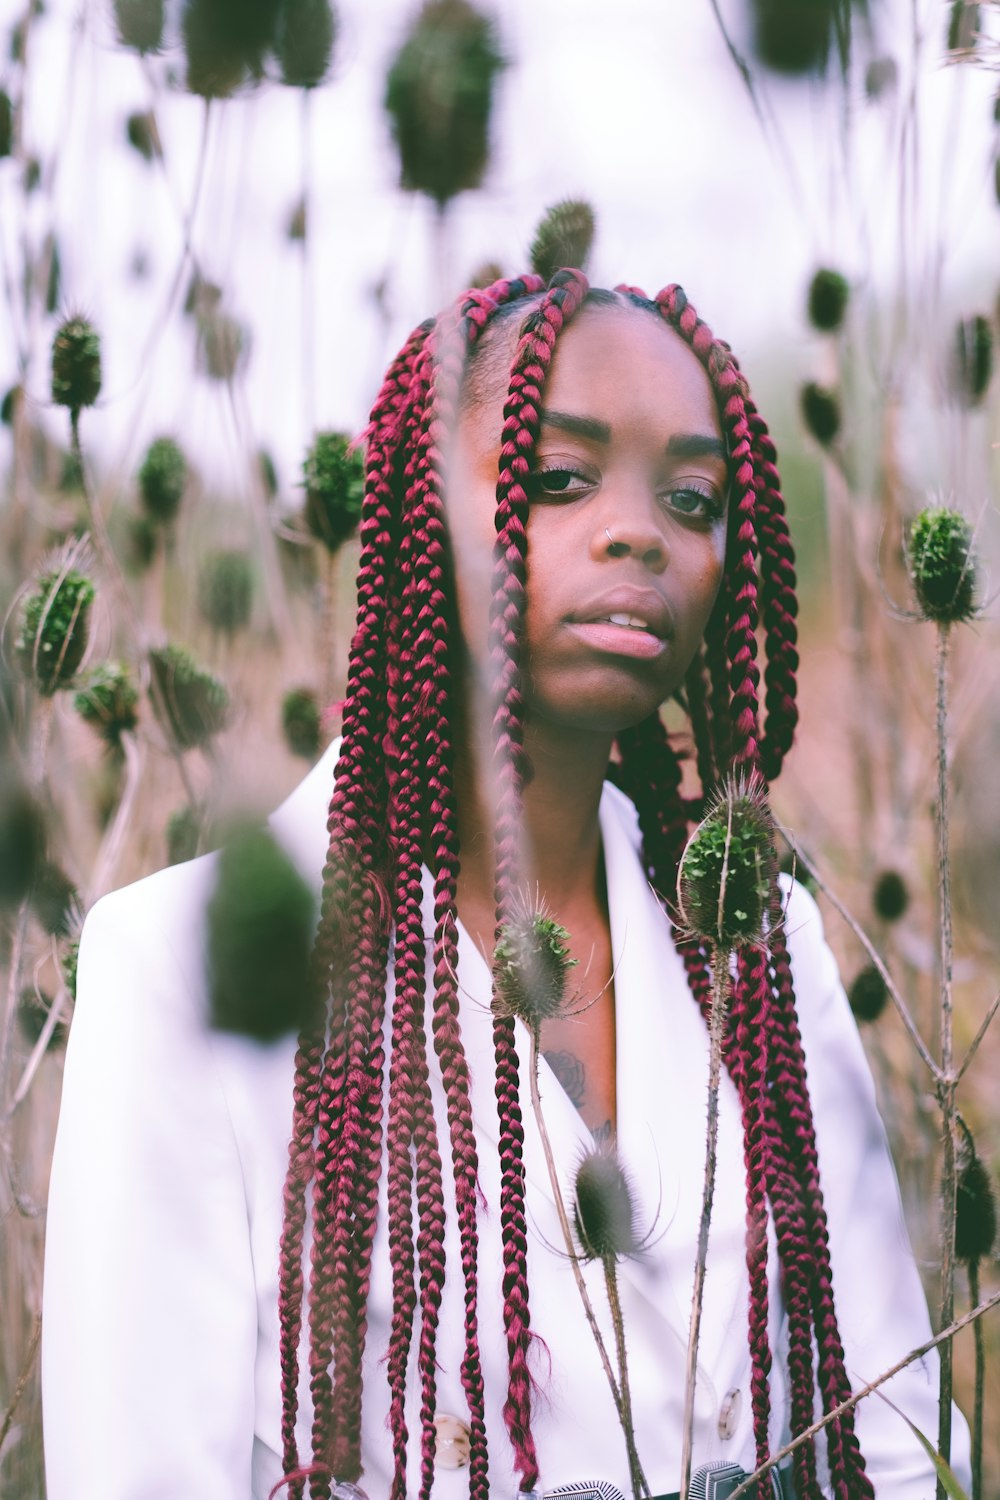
571,1074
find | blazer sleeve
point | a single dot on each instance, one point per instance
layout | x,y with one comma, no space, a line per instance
881,1307
149,1325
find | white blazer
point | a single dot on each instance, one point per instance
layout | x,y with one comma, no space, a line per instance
160,1339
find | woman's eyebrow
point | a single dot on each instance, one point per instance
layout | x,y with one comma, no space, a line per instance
585,427
696,445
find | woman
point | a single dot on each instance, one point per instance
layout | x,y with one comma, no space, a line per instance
418,1327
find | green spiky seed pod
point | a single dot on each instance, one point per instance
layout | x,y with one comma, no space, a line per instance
563,238
54,629
868,994
10,404
183,833
140,24
218,50
76,364
530,964
439,98
190,703
108,701
306,33
143,133
793,36
223,346
942,563
828,297
963,25
604,1214
6,124
260,933
69,965
32,1013
301,723
225,591
727,869
972,366
55,901
22,838
820,412
162,480
890,898
975,1207
334,476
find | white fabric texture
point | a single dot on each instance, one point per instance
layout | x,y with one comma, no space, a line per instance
160,1338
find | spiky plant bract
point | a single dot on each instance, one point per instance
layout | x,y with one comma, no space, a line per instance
225,591
260,931
54,629
942,563
828,297
191,703
334,477
140,24
162,480
820,411
108,700
439,98
563,238
306,33
300,722
76,364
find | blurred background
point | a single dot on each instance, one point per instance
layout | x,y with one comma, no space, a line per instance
219,220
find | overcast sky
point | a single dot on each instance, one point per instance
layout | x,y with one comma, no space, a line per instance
634,104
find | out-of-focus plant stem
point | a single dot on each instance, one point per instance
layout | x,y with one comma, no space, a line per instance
720,994
977,1410
946,1081
113,840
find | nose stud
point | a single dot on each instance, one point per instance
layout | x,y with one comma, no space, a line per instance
610,538
615,549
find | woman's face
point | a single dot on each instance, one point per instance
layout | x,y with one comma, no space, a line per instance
627,525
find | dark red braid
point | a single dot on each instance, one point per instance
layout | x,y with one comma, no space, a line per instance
780,606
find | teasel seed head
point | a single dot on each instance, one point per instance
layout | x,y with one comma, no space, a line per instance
975,1205
300,722
191,704
604,1211
260,933
76,364
530,963
868,994
439,98
890,897
306,33
563,238
334,478
54,622
728,868
225,591
108,700
140,24
972,359
162,479
828,297
223,346
942,563
143,134
820,412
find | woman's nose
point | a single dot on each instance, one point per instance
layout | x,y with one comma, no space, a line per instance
628,533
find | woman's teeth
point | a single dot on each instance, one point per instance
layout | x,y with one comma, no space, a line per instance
632,621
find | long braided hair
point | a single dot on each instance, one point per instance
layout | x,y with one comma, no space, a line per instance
394,805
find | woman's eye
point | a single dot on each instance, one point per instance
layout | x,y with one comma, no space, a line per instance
695,502
558,482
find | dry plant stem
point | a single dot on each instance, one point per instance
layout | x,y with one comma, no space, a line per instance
639,1484
564,1224
946,1081
943,1337
22,1380
328,625
977,1410
876,958
720,990
37,1052
111,845
977,1040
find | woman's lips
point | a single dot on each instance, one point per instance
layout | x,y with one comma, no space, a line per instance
618,640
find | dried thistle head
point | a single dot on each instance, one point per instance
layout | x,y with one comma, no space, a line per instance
942,562
975,1204
225,590
54,621
76,364
604,1211
530,964
162,480
890,897
301,722
190,703
108,701
828,297
140,24
868,993
304,40
728,868
563,238
820,412
334,477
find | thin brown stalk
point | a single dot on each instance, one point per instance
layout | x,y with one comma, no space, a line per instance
720,990
22,1380
113,841
946,1081
977,1410
809,1433
37,1052
977,1039
639,1484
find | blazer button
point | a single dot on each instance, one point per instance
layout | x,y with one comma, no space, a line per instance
729,1414
452,1442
